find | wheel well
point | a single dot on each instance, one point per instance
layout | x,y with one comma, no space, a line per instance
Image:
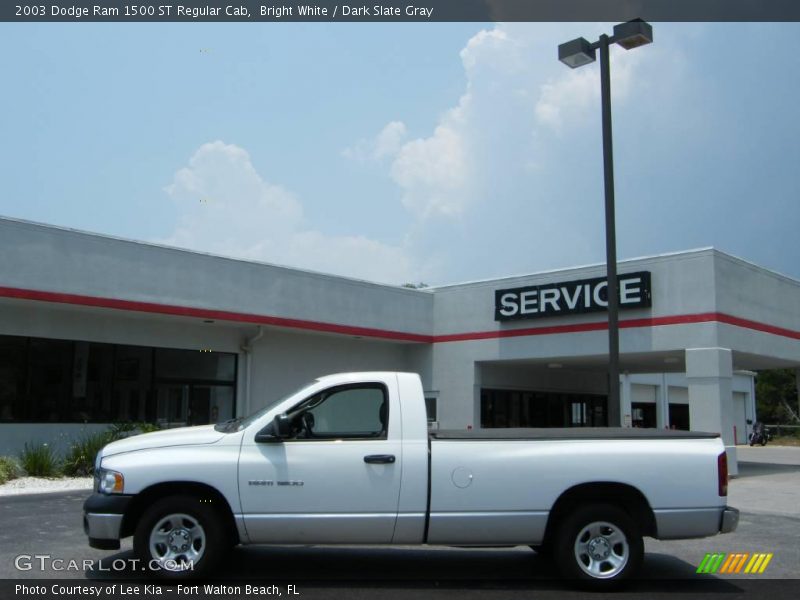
205,493
622,495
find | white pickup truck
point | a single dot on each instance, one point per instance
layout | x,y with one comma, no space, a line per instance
348,459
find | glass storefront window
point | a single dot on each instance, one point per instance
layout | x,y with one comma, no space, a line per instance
514,408
188,364
64,381
13,377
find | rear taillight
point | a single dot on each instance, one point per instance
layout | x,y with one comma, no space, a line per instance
722,473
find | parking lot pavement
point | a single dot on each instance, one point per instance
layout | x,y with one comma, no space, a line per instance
768,481
774,455
50,525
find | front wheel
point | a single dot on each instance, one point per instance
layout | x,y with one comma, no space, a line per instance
179,537
599,546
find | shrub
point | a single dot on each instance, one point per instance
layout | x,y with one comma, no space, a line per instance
39,460
9,469
79,460
80,457
147,427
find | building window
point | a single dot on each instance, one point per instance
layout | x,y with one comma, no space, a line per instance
643,414
514,408
13,378
679,416
63,381
430,409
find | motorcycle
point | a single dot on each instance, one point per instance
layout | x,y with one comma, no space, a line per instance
760,435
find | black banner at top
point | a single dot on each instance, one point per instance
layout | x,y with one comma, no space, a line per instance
399,10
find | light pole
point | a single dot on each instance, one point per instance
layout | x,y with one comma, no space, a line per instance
577,53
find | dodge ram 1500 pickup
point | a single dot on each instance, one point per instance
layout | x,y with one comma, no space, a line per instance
348,459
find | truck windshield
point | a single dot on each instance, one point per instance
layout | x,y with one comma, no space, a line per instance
239,423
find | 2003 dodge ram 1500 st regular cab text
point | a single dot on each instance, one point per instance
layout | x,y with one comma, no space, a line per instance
348,459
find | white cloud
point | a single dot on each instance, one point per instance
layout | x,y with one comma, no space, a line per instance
492,154
385,144
484,45
432,172
227,208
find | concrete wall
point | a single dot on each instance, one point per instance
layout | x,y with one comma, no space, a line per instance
682,284
54,259
749,292
59,436
283,361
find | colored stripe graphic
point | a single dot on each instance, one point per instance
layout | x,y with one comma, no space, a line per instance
711,562
734,563
741,562
728,562
765,563
720,562
703,563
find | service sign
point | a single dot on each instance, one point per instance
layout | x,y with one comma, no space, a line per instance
570,297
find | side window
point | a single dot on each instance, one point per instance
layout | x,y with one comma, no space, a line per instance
357,411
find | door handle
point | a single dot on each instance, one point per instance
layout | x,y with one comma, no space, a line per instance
379,459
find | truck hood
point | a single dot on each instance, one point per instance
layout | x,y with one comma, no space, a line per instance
184,436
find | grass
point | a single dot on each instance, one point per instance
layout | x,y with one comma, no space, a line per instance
785,440
79,461
39,460
9,469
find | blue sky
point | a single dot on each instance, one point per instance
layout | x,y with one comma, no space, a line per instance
404,152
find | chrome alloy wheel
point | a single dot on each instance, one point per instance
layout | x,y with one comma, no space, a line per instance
177,541
601,550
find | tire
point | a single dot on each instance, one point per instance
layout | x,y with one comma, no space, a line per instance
764,441
598,546
184,530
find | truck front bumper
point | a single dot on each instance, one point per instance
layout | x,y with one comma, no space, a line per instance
730,520
102,520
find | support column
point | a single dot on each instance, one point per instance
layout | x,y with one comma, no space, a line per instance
625,402
709,372
662,404
750,408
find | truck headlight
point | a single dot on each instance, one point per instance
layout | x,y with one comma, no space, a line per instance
108,481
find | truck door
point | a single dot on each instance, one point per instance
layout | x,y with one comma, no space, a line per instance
336,478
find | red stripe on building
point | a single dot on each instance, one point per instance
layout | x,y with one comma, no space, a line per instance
319,326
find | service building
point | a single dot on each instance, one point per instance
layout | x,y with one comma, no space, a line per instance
96,330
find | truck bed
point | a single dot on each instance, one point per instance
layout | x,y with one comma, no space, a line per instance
571,433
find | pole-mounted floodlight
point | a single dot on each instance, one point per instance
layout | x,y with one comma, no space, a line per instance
632,34
577,53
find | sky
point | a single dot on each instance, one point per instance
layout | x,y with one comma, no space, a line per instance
433,152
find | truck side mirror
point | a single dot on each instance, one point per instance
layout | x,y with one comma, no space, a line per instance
283,426
279,428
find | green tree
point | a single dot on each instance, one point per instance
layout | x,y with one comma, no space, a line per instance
776,396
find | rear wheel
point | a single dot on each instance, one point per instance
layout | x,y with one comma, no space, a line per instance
599,546
180,537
